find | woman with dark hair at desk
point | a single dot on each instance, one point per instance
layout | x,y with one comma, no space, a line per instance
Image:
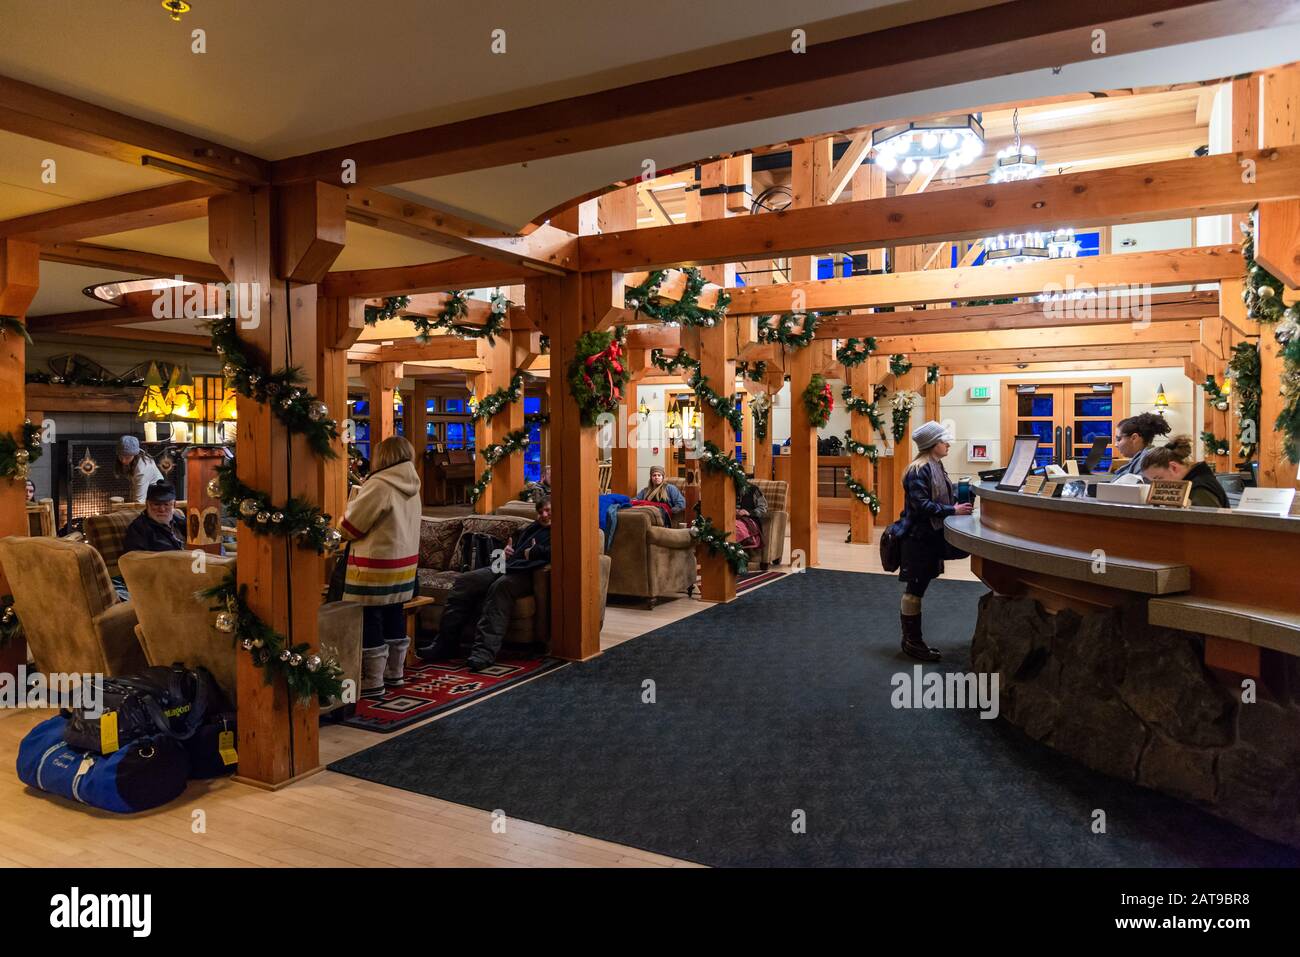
1133,438
1171,462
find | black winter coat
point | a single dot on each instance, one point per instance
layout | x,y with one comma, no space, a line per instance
923,544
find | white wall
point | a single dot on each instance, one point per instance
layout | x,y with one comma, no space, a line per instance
972,419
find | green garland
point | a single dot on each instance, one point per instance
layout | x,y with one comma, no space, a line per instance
706,534
1262,292
1213,444
931,374
898,364
817,399
855,351
904,402
297,519
515,441
1214,394
389,310
499,399
760,407
675,365
686,311
863,494
860,448
1244,366
305,672
754,371
10,626
860,406
297,409
715,460
597,377
15,325
537,418
780,329
16,459
722,405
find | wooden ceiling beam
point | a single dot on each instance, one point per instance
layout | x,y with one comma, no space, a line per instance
1185,331
1085,365
1005,38
462,272
145,335
981,358
54,118
130,260
1148,192
83,321
1163,307
437,348
159,206
1172,267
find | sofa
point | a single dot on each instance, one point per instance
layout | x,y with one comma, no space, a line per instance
174,625
775,525
71,616
439,564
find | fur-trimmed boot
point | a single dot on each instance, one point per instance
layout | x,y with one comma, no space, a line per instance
396,667
373,662
913,644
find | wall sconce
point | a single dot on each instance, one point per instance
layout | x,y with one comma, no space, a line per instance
1162,400
153,404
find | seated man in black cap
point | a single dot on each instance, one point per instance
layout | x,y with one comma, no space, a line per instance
158,528
487,595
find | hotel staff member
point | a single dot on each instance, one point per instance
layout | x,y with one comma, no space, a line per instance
1170,462
1133,437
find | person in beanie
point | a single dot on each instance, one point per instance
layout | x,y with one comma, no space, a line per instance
134,463
158,528
929,499
661,490
382,523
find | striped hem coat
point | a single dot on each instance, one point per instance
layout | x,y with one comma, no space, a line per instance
383,525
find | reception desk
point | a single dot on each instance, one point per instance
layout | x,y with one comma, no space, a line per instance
1161,645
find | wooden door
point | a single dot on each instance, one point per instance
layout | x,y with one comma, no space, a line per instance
1066,417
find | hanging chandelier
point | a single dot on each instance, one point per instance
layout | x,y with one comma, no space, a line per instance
922,145
1031,247
1016,162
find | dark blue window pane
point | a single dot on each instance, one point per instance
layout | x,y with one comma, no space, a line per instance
1041,429
430,406
1096,429
362,431
1034,405
1092,405
455,406
532,404
361,407
455,435
364,449
429,430
1043,457
399,424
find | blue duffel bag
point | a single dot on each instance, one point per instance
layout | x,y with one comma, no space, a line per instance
146,773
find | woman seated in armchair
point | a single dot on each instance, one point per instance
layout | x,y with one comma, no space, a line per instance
751,509
662,491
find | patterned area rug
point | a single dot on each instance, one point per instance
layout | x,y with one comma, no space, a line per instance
751,579
431,688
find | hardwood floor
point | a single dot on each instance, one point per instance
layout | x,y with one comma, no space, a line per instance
330,819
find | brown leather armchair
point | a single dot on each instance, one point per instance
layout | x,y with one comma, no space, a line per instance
649,561
70,613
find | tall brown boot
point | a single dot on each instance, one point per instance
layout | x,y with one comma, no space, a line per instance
913,644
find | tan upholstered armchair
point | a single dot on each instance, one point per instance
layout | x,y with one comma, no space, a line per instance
70,614
177,626
775,525
530,619
649,561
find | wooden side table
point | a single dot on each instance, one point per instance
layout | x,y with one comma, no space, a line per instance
410,609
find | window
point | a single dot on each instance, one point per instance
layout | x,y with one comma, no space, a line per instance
533,451
455,407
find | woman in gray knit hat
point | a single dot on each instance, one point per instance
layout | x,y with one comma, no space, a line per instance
929,499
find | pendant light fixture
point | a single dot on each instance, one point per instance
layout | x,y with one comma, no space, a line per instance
920,145
1016,162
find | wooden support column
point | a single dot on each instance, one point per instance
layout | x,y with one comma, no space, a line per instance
862,468
616,211
339,323
381,379
282,241
20,277
712,347
810,182
568,309
501,360
1277,249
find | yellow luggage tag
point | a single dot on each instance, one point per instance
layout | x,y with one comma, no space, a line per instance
108,732
226,746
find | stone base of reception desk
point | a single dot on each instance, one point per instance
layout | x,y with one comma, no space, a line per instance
1161,646
1135,701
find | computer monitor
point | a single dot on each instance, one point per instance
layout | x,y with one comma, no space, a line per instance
1099,446
1019,463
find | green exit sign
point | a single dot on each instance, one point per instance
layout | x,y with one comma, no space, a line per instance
979,392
